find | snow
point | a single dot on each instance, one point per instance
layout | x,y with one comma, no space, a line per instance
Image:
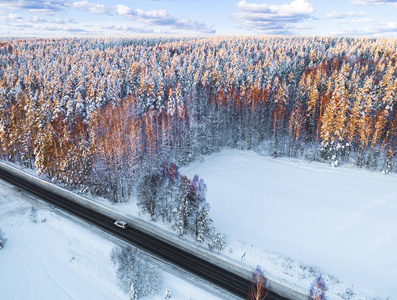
298,219
61,257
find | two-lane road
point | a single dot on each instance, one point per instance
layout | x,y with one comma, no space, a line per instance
210,272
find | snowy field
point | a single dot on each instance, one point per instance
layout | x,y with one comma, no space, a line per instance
298,219
61,258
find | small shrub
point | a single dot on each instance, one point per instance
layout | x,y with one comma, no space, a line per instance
218,243
33,214
2,239
167,294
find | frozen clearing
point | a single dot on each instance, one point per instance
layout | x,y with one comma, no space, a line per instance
342,220
57,258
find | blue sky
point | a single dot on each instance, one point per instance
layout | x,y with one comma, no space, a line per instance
56,18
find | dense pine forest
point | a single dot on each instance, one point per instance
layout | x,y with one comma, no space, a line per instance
117,116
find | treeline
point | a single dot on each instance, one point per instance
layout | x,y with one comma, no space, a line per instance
105,115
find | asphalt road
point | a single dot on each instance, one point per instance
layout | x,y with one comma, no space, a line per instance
212,273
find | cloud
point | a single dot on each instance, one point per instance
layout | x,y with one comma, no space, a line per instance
61,28
374,30
163,18
64,21
273,19
349,17
15,20
361,20
151,17
340,15
36,19
123,10
49,7
373,2
128,28
98,9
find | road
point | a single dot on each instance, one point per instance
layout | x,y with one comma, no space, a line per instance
191,263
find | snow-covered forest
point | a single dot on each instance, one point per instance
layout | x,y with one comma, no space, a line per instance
111,116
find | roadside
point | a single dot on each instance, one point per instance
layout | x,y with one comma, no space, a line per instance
52,255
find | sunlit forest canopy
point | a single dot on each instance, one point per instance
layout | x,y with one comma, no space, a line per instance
102,113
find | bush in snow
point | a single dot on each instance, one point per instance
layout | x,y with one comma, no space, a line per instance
258,287
136,277
167,294
318,289
347,295
2,239
334,151
218,243
33,214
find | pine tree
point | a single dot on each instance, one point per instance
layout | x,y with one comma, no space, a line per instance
133,293
204,225
182,209
311,112
389,162
136,277
148,194
333,130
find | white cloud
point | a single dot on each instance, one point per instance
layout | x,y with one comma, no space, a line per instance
64,21
163,18
48,7
373,30
128,28
341,15
349,17
13,19
274,19
373,2
153,14
94,8
362,20
151,17
61,28
123,10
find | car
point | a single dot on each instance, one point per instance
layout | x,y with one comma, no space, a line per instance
121,224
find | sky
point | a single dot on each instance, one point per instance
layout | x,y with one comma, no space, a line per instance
130,18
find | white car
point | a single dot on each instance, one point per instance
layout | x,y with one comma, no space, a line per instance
121,224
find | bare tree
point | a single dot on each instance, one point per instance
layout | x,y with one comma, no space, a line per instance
258,289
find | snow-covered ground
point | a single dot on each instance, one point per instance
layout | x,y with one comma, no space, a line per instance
59,257
295,219
298,219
